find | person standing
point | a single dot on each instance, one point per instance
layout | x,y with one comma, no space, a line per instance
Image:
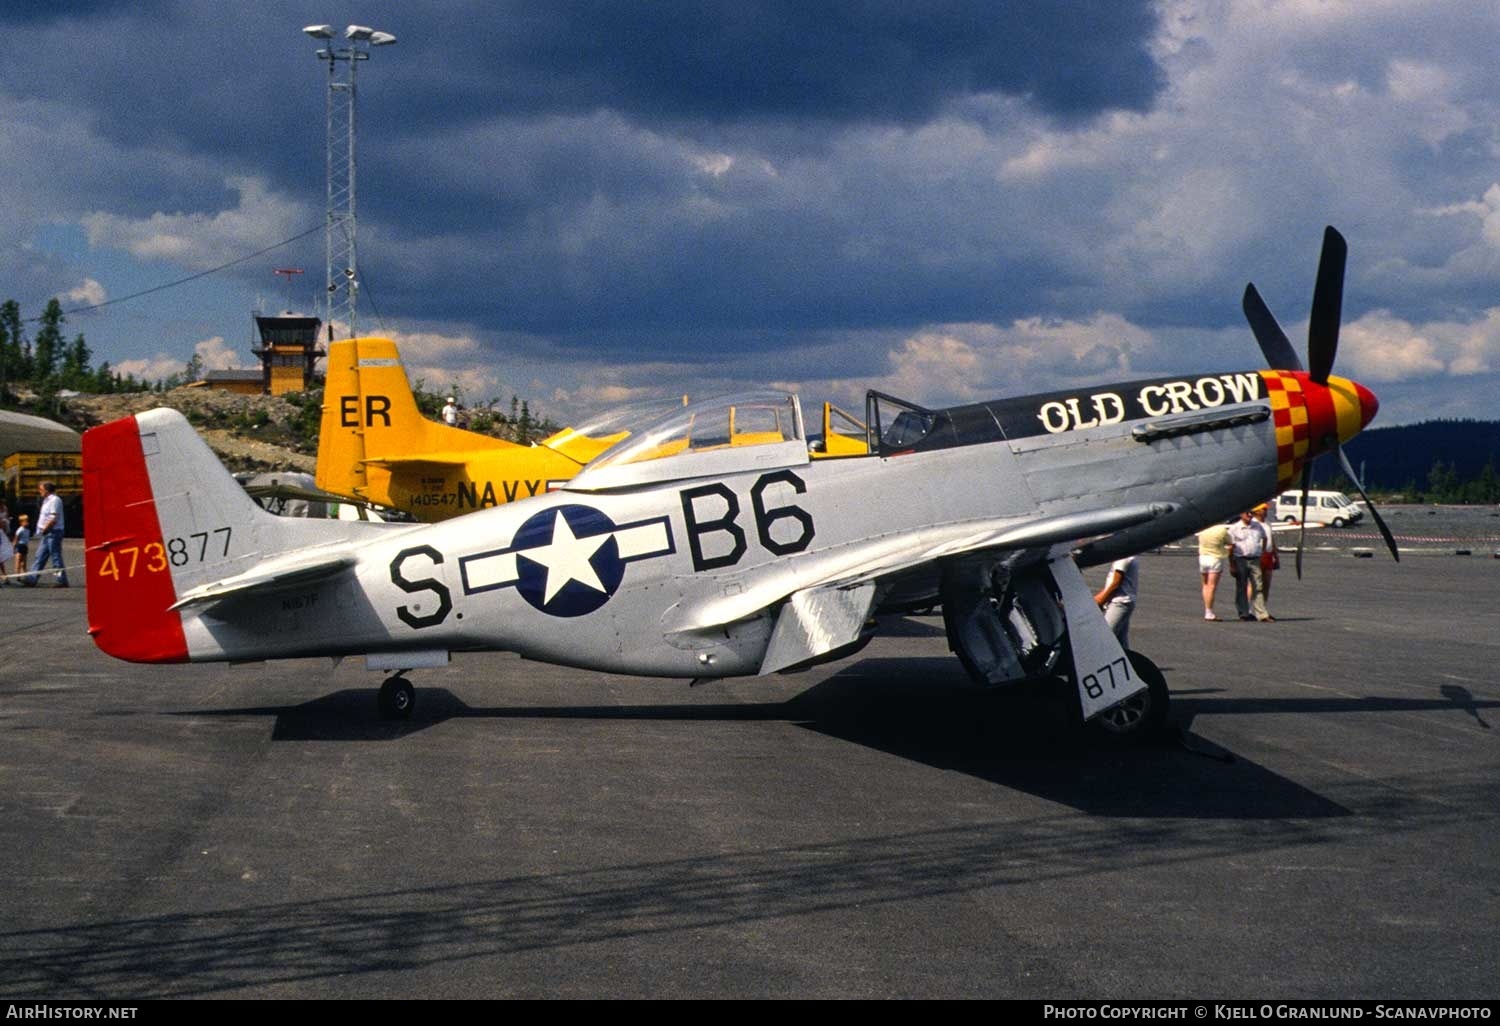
1270,559
1213,554
1117,597
450,412
7,547
1249,542
49,528
23,542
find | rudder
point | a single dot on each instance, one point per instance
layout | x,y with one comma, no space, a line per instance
126,567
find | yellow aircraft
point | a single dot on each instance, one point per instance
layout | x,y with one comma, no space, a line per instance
377,447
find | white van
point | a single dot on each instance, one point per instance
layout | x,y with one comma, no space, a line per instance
1332,508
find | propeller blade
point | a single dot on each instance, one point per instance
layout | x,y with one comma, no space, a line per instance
1302,519
1327,308
1273,341
1385,532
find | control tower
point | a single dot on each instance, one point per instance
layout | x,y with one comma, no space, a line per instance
288,351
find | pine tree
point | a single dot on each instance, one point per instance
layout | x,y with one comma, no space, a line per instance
49,343
1442,483
525,425
76,372
12,338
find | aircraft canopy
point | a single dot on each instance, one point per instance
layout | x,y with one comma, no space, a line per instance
726,434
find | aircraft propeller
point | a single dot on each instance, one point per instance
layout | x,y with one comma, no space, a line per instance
1322,348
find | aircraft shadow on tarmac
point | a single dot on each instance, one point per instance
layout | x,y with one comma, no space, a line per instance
925,711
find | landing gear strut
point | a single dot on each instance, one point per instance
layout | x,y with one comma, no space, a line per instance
397,697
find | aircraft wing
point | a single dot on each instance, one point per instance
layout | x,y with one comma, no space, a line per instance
292,491
1278,527
820,579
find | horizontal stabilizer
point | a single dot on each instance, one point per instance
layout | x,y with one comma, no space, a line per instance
288,571
284,490
437,460
579,448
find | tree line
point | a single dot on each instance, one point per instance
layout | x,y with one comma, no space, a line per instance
488,418
47,362
1448,461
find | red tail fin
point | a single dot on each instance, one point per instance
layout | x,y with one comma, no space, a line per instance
129,583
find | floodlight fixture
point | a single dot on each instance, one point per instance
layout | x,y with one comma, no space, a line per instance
341,263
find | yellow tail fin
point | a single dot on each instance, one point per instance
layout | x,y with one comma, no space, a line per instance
371,421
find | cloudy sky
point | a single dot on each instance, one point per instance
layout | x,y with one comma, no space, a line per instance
588,202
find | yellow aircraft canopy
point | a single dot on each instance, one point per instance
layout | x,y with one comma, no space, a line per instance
595,435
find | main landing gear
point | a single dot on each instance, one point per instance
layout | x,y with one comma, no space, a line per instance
397,697
1141,716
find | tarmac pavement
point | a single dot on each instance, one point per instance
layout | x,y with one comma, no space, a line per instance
1326,827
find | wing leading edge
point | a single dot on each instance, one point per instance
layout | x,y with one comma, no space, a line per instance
829,598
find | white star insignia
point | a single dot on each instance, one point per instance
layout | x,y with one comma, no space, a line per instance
566,558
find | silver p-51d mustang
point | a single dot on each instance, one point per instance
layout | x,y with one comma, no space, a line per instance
710,544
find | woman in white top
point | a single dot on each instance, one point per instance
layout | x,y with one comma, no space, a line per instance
1213,552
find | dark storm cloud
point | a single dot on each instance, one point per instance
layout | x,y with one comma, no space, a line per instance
23,12
615,233
511,120
201,76
537,167
874,60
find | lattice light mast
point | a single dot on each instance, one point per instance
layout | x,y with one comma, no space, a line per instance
339,235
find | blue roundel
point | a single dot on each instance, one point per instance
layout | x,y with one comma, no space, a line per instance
567,560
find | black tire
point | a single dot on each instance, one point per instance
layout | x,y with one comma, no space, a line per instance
1337,522
1289,519
1142,715
397,699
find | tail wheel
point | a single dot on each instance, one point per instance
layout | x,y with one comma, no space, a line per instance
1141,715
397,698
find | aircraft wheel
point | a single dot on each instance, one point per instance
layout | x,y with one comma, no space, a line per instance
397,697
1140,716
